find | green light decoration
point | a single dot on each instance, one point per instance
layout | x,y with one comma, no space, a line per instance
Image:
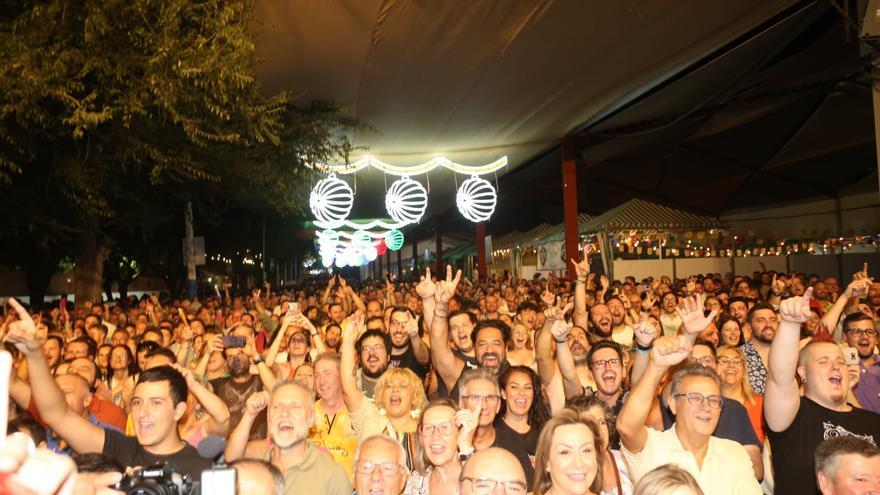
394,239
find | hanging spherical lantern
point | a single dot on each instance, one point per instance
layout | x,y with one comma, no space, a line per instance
331,200
381,247
406,200
476,199
394,239
361,238
370,253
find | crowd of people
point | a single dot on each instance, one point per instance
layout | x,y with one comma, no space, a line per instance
714,384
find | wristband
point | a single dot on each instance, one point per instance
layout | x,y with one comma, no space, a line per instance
579,281
440,314
560,341
641,348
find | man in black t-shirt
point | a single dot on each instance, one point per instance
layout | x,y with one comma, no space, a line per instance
157,404
407,348
798,425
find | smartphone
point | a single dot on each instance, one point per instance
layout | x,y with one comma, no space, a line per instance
292,308
644,287
218,481
232,341
851,354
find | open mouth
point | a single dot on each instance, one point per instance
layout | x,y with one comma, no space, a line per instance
376,491
395,400
521,403
286,427
836,380
577,477
490,359
704,418
437,449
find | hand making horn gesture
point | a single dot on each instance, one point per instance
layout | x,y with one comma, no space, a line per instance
426,287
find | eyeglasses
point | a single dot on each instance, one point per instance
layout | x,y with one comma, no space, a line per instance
369,467
705,360
445,429
375,348
858,332
486,486
730,360
298,340
697,399
603,363
485,399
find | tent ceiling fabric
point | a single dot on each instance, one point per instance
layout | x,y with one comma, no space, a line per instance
481,79
637,214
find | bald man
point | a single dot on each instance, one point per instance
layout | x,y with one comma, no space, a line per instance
491,467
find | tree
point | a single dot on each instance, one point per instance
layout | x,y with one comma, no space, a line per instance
114,113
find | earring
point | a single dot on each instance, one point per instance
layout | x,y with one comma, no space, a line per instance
381,411
415,413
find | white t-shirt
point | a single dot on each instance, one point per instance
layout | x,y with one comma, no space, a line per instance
727,468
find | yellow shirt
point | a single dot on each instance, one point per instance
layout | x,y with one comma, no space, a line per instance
335,434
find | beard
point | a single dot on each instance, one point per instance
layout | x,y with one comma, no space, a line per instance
598,330
238,367
374,374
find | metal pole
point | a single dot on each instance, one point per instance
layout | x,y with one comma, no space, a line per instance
190,252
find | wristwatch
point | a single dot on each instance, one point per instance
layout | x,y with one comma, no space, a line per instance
258,359
640,347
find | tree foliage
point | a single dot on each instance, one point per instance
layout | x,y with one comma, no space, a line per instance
114,112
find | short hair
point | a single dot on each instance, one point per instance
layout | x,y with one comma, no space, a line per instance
274,472
401,453
386,339
689,370
96,462
419,400
707,343
92,348
666,478
474,374
290,383
328,356
162,351
57,338
759,307
605,344
583,403
543,482
471,316
176,382
29,426
852,318
498,324
527,306
402,309
827,455
737,299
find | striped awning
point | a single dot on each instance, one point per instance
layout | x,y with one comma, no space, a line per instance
638,214
557,232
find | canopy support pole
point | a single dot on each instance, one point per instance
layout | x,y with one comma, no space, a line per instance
481,250
570,203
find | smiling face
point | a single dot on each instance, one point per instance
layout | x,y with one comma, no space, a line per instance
327,380
855,475
375,454
607,374
397,394
290,415
374,356
519,393
825,371
699,420
764,323
460,328
731,367
579,345
154,413
397,328
861,335
520,336
618,312
439,447
602,320
572,462
489,348
481,391
730,333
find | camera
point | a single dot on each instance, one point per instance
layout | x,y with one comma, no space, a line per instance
166,479
159,479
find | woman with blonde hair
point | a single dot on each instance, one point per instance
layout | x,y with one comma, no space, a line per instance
520,350
567,460
445,439
397,404
668,479
735,385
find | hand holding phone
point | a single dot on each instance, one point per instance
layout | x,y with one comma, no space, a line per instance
851,355
232,341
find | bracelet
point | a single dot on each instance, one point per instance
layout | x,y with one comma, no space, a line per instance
579,281
440,314
560,341
641,348
258,359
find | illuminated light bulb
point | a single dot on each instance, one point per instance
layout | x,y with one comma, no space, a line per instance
371,253
331,200
476,199
340,262
394,240
406,201
326,261
360,238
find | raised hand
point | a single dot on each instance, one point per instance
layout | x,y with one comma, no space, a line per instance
649,301
778,285
863,273
691,285
603,279
560,330
858,288
426,287
351,327
446,288
582,267
691,314
467,422
188,375
644,331
412,328
257,402
796,309
548,298
671,350
255,295
22,332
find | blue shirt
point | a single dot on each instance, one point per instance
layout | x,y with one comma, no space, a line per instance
53,441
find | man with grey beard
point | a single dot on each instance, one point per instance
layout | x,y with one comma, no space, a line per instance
291,413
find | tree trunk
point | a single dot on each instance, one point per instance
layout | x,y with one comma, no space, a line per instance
41,265
89,269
